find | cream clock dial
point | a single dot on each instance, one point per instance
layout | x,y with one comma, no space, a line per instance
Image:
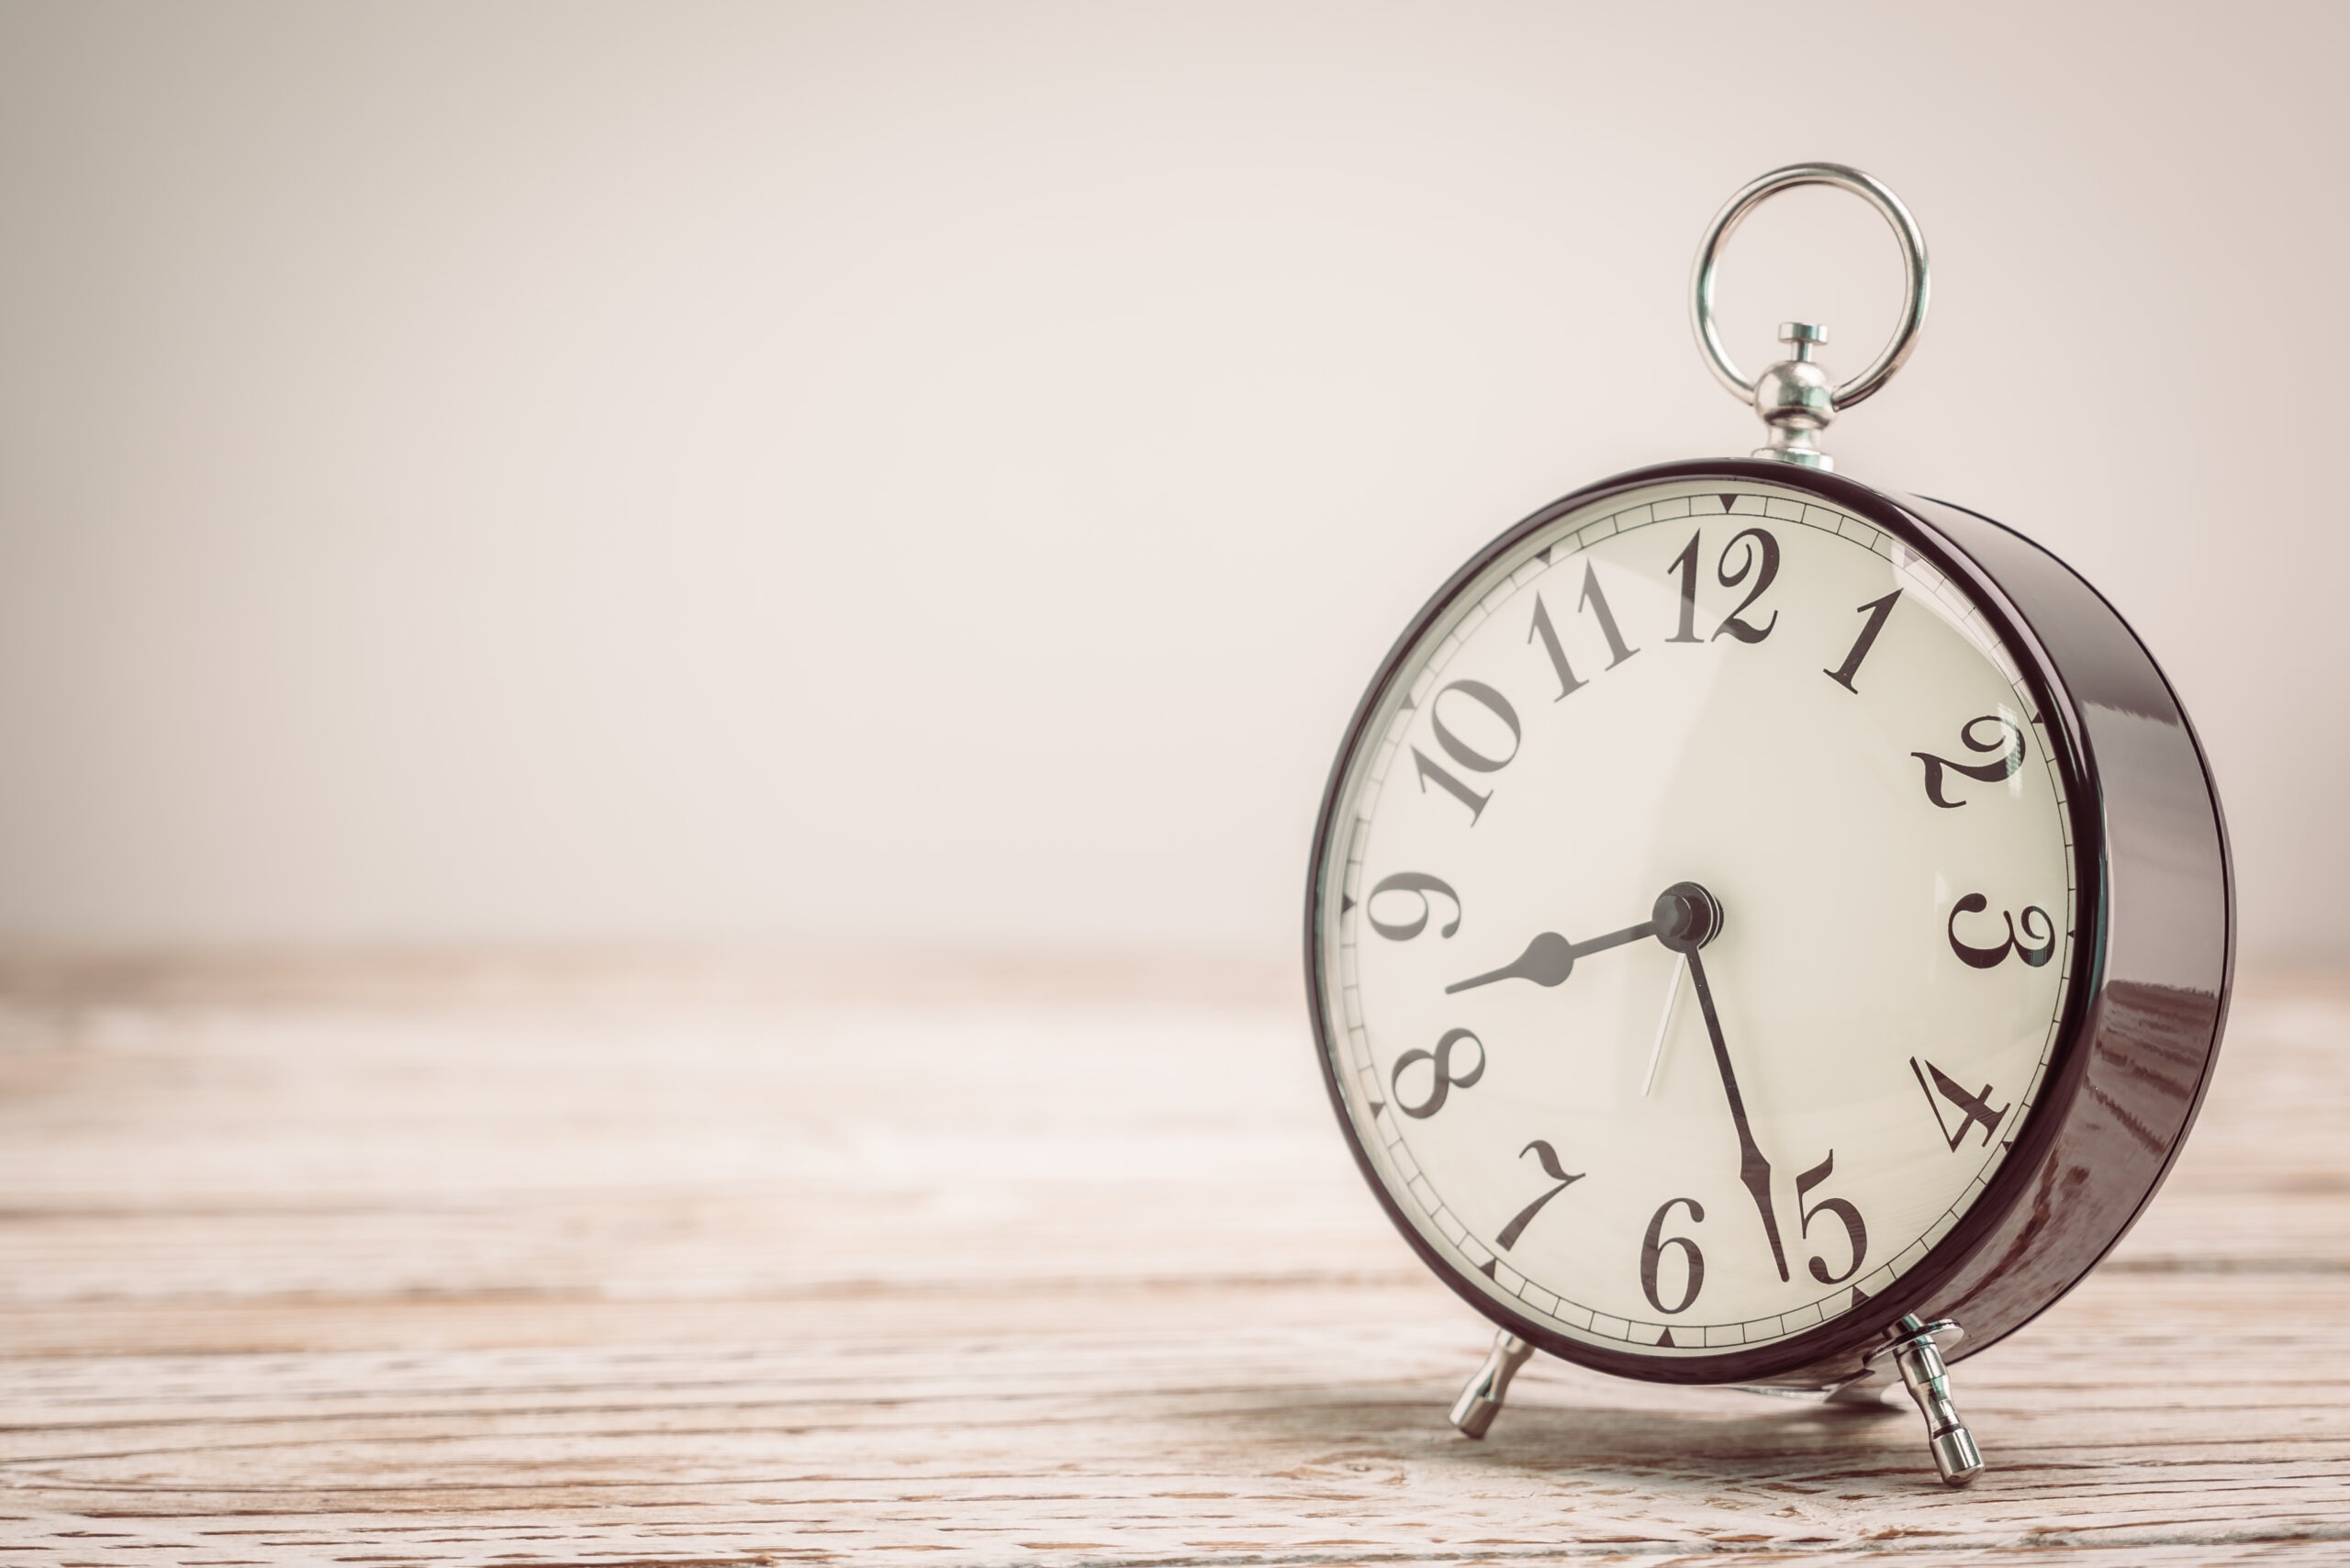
1699,902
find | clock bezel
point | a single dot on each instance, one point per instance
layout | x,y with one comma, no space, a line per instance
1844,1335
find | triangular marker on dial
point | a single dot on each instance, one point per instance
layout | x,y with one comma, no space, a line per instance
1345,903
1543,554
1726,501
1664,1341
1860,1298
1486,1268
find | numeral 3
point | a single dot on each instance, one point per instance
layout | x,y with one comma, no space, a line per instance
1992,957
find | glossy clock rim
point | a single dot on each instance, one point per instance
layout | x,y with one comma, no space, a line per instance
2061,1083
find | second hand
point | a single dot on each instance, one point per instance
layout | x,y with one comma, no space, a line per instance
1664,1025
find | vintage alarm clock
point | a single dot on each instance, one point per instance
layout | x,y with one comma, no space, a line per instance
1765,930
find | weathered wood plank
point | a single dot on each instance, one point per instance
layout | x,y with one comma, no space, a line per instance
475,1260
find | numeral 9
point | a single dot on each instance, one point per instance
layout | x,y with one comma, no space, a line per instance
1419,885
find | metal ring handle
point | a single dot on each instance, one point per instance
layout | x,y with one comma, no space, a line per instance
1844,178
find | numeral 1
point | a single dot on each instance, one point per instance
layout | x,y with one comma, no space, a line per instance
1474,800
1596,602
1568,684
1686,565
1876,609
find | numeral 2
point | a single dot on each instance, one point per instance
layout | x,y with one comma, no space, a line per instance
2009,741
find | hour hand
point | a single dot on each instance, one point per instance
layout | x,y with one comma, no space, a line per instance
1547,959
1551,957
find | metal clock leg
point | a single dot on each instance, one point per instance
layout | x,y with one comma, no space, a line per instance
1919,1360
1480,1401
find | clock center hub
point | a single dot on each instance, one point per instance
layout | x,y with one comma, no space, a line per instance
1687,916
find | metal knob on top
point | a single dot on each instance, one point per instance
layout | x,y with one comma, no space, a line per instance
1794,396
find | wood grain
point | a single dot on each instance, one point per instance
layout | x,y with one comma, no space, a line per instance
502,1260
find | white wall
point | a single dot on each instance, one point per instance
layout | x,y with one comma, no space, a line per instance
557,471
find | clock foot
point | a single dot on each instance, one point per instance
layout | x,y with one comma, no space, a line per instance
1480,1401
1919,1360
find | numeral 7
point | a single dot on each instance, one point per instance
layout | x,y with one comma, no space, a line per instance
1549,1158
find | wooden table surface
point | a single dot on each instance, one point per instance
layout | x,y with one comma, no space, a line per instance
512,1261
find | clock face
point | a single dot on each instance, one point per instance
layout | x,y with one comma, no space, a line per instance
1696,917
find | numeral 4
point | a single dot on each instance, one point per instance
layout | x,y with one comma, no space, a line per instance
1975,1107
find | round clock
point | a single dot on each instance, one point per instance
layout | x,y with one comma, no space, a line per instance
1762,928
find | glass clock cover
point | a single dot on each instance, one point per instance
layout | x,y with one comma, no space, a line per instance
1696,916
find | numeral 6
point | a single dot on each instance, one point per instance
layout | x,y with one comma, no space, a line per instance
1652,1247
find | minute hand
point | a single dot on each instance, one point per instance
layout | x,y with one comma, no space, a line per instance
1752,1169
